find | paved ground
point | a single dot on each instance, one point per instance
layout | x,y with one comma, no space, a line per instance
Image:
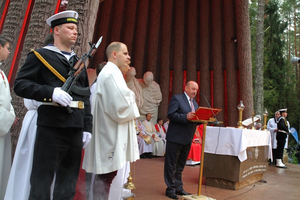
282,184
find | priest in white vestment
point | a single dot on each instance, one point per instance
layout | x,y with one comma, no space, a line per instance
157,142
272,127
7,118
18,186
114,109
145,148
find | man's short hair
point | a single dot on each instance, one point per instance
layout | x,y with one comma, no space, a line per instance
3,41
100,67
114,46
159,119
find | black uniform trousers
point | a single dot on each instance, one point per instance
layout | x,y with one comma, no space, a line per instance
281,139
175,159
57,151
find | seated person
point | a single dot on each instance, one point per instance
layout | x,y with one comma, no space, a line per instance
194,156
157,143
257,126
144,141
161,131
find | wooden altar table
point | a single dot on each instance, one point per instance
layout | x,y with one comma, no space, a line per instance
235,158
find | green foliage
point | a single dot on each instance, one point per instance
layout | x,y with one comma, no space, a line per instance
294,159
281,84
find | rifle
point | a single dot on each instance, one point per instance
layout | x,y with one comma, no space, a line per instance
74,73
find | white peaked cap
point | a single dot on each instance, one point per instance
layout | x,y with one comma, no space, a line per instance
68,16
283,110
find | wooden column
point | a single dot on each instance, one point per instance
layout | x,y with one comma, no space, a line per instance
204,52
217,57
153,35
244,56
165,61
102,28
178,52
129,25
191,41
138,58
230,53
117,14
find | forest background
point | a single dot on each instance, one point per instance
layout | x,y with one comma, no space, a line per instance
275,31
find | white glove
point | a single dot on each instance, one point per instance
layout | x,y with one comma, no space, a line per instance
61,97
86,138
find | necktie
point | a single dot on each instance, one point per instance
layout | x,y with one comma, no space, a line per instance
192,105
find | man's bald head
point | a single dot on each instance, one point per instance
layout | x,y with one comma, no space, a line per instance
191,89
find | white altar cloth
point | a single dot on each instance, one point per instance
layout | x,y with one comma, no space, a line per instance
234,141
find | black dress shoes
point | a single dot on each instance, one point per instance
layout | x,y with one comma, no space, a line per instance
143,156
172,195
149,155
182,192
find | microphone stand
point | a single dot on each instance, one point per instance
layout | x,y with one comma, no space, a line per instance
216,122
206,118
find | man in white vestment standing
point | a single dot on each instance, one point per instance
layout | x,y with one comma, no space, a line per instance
272,127
114,110
157,143
7,118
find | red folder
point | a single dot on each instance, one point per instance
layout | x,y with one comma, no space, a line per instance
205,114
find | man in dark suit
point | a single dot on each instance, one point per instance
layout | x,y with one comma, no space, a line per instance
179,138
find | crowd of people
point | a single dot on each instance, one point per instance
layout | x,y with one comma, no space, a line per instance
105,120
115,121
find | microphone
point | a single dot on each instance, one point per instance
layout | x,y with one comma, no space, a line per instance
216,122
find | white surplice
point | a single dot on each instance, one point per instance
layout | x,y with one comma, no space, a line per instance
7,117
117,190
143,146
271,126
157,143
18,186
114,137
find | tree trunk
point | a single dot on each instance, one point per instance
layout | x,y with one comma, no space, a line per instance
289,37
87,11
217,58
295,31
204,53
165,53
2,4
258,79
244,56
11,31
230,62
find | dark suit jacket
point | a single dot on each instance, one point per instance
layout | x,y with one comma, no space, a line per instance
36,81
180,129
